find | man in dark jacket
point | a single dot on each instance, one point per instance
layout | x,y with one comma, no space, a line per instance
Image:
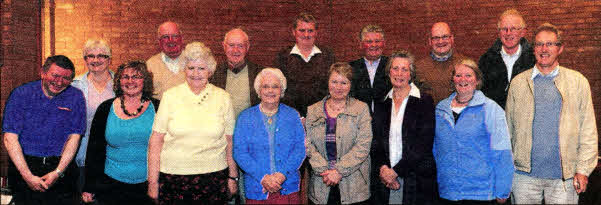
370,82
509,55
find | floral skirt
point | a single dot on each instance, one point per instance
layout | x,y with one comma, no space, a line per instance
209,188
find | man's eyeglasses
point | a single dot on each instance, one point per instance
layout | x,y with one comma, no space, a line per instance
548,44
436,38
99,56
512,29
170,36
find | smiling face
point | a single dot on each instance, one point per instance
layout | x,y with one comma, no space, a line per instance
170,40
270,90
338,86
97,60
235,46
55,80
547,56
511,30
305,33
465,80
372,45
132,82
197,75
400,72
441,39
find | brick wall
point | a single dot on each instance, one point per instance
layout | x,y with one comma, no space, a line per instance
20,51
130,28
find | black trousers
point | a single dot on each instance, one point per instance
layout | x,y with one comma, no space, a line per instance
61,192
114,192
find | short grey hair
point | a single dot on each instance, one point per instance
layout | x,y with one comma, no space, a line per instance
92,44
403,54
549,28
198,51
372,28
511,12
273,71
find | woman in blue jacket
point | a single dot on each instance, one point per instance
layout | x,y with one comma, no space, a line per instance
269,144
471,145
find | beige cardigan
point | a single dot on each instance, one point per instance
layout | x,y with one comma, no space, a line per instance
577,129
353,142
162,77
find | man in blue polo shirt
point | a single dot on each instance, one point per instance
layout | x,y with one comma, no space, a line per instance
42,125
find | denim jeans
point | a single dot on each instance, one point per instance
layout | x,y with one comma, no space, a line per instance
531,190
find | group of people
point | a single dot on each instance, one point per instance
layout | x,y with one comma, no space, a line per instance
379,130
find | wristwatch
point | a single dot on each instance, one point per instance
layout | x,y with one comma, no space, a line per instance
234,178
60,173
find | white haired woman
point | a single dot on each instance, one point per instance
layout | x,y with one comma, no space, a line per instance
190,150
269,144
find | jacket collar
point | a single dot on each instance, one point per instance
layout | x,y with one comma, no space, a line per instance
349,109
477,100
413,92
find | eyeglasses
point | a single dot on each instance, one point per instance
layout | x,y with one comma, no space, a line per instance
99,56
170,36
512,29
133,77
436,38
548,44
373,41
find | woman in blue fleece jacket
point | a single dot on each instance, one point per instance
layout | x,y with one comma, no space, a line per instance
471,145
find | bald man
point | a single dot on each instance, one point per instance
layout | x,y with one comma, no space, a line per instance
165,66
237,75
436,69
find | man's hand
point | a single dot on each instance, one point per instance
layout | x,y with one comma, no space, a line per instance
36,183
501,201
50,178
580,182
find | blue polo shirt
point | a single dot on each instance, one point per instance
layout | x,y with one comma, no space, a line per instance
44,124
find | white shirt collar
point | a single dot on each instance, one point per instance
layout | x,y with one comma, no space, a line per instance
536,72
173,65
314,51
413,92
376,62
516,54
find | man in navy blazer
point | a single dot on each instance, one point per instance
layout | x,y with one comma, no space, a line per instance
370,81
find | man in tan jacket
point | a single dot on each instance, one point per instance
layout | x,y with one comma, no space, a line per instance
552,126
